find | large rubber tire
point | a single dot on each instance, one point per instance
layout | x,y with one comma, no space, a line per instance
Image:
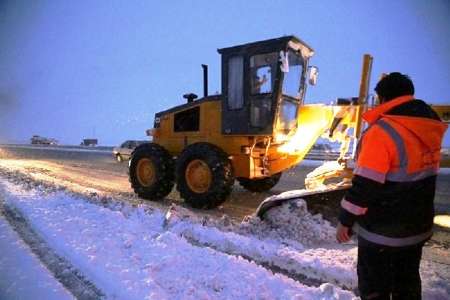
204,175
151,171
260,185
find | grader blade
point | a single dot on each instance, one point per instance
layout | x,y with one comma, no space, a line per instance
316,189
320,195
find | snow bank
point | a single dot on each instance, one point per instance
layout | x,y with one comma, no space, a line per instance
290,244
134,256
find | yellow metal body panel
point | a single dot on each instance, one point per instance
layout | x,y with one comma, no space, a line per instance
209,131
256,156
443,111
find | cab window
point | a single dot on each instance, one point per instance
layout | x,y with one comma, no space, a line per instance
187,120
236,82
262,72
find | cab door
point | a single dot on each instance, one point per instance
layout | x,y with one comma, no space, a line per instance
234,107
262,90
249,86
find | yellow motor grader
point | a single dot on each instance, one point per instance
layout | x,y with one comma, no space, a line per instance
257,128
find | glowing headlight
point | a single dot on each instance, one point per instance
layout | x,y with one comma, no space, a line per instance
280,138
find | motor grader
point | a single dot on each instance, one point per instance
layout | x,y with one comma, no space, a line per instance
256,129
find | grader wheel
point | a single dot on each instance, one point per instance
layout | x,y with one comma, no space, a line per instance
204,175
151,171
198,176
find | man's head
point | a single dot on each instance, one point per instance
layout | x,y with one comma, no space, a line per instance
394,85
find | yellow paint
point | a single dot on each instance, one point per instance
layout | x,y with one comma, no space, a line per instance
198,176
443,111
312,121
145,172
283,152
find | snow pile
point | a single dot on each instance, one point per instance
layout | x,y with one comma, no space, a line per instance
291,221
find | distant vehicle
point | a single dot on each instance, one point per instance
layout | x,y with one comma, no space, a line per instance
123,152
40,140
89,142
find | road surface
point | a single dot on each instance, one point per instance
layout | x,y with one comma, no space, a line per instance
81,169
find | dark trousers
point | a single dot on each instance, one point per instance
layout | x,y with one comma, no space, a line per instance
389,273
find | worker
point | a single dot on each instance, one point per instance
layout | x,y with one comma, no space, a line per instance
390,204
258,83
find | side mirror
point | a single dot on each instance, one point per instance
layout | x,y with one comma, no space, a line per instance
313,74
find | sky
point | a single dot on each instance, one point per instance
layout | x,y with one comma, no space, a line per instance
101,69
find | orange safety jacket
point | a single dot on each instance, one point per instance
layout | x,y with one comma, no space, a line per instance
397,160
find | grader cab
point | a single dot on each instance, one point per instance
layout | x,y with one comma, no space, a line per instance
254,131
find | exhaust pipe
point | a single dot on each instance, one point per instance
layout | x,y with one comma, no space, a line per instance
205,80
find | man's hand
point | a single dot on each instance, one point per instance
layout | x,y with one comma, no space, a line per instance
342,233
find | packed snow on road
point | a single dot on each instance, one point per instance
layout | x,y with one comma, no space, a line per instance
128,251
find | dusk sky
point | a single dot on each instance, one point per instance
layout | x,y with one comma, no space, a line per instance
80,69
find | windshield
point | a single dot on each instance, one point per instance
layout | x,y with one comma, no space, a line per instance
293,71
262,73
287,115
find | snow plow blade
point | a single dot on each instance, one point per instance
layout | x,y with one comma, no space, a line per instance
323,194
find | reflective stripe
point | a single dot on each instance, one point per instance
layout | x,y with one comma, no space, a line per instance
353,208
402,176
398,140
391,242
369,173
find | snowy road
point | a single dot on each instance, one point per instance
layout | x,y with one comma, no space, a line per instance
131,249
23,274
100,171
139,252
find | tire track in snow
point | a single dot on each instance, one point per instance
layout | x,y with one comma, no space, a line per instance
301,278
63,271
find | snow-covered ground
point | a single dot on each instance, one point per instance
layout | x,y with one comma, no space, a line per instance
142,252
22,274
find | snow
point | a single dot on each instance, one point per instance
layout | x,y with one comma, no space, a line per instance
139,252
134,256
31,278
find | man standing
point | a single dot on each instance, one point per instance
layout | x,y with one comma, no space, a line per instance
390,204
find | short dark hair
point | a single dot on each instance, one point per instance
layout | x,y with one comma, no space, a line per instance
394,85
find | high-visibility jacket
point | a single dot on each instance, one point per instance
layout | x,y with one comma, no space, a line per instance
397,160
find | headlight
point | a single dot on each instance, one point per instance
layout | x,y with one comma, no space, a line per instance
280,138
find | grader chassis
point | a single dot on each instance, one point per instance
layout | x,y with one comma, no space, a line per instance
254,131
